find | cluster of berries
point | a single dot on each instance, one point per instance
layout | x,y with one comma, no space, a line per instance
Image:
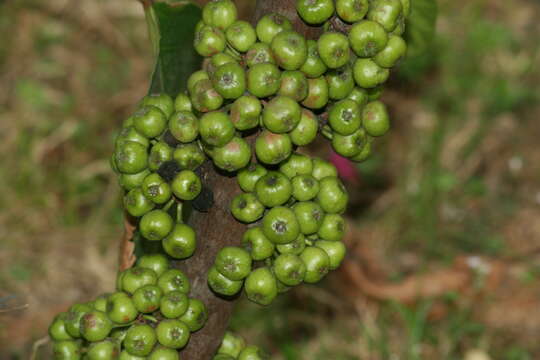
234,347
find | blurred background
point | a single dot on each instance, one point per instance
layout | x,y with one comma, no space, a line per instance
445,217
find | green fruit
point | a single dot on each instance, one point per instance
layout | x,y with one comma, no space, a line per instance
368,74
156,262
216,128
290,49
67,350
156,189
317,264
136,203
194,78
182,103
73,317
280,225
340,83
332,228
270,25
195,316
221,284
159,153
333,49
189,156
246,208
181,242
395,49
155,225
359,95
309,215
130,157
375,92
385,12
147,298
95,326
231,345
140,340
314,66
100,303
375,119
335,251
364,153
296,247
349,145
304,187
184,126
150,121
233,156
259,53
172,333
131,181
220,13
104,350
245,112
296,164
233,262
332,195
322,169
282,114
162,101
263,79
289,269
241,35
209,40
129,133
352,11
174,280
273,189
205,97
367,38
272,148
293,85
229,80
57,329
252,352
317,93
257,244
315,11
163,353
261,286
120,308
186,185
137,277
345,117
306,130
173,304
248,177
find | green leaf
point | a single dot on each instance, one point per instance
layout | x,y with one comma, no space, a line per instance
420,27
171,28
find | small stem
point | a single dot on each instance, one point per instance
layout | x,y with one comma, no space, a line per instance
327,132
179,213
168,205
150,318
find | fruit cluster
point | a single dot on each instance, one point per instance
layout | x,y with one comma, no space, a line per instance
150,316
234,347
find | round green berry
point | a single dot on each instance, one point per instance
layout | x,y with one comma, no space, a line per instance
150,121
261,286
209,40
162,101
270,25
156,189
349,145
289,269
184,126
181,242
57,329
216,128
257,244
314,66
280,225
95,326
304,187
259,53
367,38
345,117
233,262
221,284
364,153
156,262
100,303
273,189
315,11
120,308
322,169
67,350
159,153
385,12
290,49
194,78
272,148
296,164
73,317
335,251
368,74
129,133
163,353
352,11
245,112
189,156
340,82
173,304
317,93
205,97
136,203
155,225
195,316
375,119
332,195
296,247
137,277
231,345
182,103
395,49
263,79
147,298
174,280
230,80
172,333
233,156
186,185
306,130
332,228
334,49
130,157
309,215
246,208
103,350
282,114
293,85
220,13
248,177
140,340
359,95
317,264
241,35
252,352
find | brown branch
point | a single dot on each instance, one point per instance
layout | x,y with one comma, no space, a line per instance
127,246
